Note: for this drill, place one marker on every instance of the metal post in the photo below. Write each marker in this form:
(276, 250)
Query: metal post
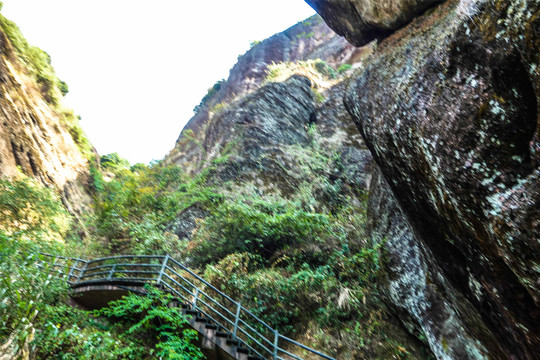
(112, 271)
(53, 266)
(163, 267)
(276, 341)
(81, 273)
(195, 299)
(71, 268)
(236, 319)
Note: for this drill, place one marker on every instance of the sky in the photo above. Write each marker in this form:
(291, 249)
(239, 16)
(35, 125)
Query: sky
(136, 69)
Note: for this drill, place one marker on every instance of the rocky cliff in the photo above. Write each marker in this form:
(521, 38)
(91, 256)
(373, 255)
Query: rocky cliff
(310, 39)
(38, 137)
(293, 142)
(448, 106)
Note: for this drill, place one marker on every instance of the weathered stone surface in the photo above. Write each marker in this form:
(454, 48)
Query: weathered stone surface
(449, 108)
(33, 138)
(262, 122)
(361, 21)
(427, 304)
(310, 39)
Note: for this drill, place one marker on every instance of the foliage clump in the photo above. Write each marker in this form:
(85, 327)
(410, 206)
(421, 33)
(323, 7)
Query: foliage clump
(151, 317)
(318, 71)
(136, 205)
(257, 226)
(37, 61)
(30, 211)
(211, 92)
(38, 64)
(35, 321)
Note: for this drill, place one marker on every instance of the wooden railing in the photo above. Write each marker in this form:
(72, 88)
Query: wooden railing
(189, 288)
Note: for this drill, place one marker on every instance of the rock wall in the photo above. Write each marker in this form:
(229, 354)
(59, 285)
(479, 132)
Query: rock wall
(310, 39)
(448, 107)
(361, 21)
(34, 138)
(253, 143)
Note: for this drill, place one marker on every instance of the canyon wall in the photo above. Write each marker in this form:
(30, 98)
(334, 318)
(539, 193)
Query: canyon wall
(448, 106)
(39, 138)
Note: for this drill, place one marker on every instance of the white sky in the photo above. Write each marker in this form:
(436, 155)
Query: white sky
(136, 69)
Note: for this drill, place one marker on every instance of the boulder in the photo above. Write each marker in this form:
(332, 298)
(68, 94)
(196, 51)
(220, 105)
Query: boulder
(448, 107)
(361, 21)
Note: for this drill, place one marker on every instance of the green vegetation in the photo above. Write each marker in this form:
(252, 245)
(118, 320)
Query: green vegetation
(318, 71)
(343, 68)
(138, 315)
(256, 226)
(28, 211)
(305, 35)
(37, 61)
(34, 318)
(38, 64)
(254, 43)
(211, 92)
(114, 161)
(135, 207)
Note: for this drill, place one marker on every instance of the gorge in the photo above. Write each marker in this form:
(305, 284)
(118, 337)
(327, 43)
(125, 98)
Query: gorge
(371, 192)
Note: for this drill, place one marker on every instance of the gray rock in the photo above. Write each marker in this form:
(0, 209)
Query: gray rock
(361, 21)
(449, 109)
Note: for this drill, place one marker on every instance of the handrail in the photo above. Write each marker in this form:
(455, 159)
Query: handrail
(193, 290)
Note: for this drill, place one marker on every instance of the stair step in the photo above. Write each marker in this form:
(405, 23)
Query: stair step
(255, 357)
(233, 342)
(212, 326)
(222, 334)
(242, 350)
(192, 312)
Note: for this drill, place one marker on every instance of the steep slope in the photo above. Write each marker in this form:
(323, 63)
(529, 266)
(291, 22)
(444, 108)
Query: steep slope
(37, 136)
(283, 158)
(448, 107)
(310, 39)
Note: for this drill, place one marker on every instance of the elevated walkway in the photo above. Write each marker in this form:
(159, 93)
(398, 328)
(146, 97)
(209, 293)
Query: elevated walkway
(226, 329)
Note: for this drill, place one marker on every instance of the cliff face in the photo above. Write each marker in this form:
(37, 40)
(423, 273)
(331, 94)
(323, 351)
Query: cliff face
(361, 21)
(310, 39)
(38, 137)
(290, 142)
(448, 107)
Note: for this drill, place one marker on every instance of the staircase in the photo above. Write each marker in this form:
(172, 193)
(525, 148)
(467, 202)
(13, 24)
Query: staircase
(227, 330)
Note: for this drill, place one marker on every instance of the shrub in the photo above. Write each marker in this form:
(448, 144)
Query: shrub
(254, 43)
(37, 61)
(318, 71)
(25, 289)
(71, 334)
(257, 226)
(151, 318)
(29, 211)
(113, 161)
(343, 68)
(211, 92)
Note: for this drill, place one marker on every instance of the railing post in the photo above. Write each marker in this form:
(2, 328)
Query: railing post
(163, 267)
(236, 319)
(71, 270)
(53, 266)
(112, 271)
(81, 273)
(196, 296)
(276, 341)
